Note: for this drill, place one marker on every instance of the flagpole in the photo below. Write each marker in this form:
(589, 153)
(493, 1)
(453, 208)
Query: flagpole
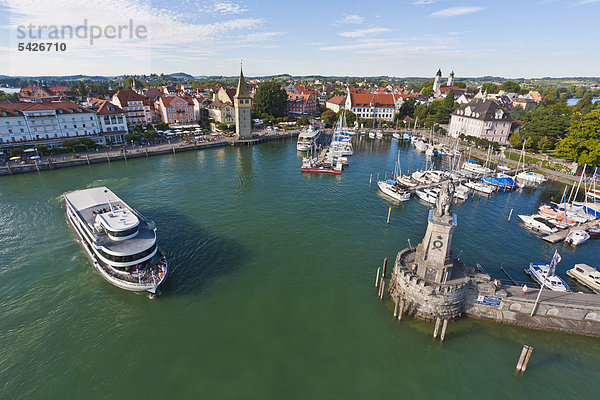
(551, 269)
(538, 296)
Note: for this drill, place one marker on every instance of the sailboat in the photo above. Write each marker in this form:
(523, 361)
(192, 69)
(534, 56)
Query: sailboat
(341, 145)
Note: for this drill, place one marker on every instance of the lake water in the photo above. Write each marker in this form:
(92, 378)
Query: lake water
(572, 101)
(271, 293)
(10, 90)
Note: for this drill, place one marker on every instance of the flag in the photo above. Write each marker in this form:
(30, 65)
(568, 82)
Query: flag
(555, 260)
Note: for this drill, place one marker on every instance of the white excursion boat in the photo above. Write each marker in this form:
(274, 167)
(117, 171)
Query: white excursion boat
(420, 145)
(392, 190)
(538, 223)
(120, 242)
(586, 275)
(577, 237)
(539, 273)
(307, 139)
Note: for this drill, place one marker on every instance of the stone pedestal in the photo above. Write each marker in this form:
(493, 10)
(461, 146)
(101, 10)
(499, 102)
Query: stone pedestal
(433, 258)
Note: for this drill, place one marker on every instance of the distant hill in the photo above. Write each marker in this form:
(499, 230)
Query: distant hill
(181, 75)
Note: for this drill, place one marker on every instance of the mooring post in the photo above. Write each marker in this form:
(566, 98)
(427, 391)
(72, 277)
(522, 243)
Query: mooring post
(437, 326)
(370, 179)
(382, 289)
(388, 218)
(396, 308)
(108, 157)
(8, 166)
(527, 357)
(125, 154)
(87, 157)
(377, 277)
(400, 310)
(510, 214)
(384, 267)
(444, 326)
(146, 151)
(37, 166)
(173, 149)
(522, 358)
(378, 177)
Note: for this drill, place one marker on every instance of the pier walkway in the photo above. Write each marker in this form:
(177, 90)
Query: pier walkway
(561, 235)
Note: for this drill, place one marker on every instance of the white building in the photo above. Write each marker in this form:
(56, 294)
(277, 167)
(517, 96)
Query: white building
(112, 120)
(46, 123)
(481, 118)
(371, 105)
(138, 110)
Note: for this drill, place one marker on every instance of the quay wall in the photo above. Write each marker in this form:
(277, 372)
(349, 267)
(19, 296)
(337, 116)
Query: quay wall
(577, 313)
(97, 158)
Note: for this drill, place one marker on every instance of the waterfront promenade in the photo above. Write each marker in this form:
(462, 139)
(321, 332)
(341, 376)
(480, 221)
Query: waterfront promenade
(107, 156)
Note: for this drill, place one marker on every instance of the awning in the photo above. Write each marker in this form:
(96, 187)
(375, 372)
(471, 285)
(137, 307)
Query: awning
(29, 150)
(15, 158)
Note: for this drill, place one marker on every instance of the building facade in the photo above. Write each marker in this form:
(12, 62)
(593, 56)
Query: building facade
(221, 113)
(176, 109)
(372, 105)
(138, 109)
(48, 124)
(112, 121)
(300, 104)
(481, 118)
(336, 103)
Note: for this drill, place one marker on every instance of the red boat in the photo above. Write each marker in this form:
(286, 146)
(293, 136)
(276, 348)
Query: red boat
(311, 165)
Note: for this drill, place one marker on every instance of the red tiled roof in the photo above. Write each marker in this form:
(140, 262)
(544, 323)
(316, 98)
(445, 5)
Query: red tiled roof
(105, 107)
(167, 100)
(337, 100)
(365, 100)
(125, 96)
(16, 109)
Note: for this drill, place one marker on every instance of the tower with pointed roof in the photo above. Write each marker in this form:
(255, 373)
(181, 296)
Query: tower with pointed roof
(243, 109)
(450, 79)
(437, 82)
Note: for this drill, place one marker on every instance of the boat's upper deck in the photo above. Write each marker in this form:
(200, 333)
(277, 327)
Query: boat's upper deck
(92, 205)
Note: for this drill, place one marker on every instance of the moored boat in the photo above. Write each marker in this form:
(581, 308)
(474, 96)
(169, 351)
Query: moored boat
(538, 223)
(577, 237)
(539, 272)
(586, 275)
(307, 139)
(121, 243)
(393, 190)
(310, 164)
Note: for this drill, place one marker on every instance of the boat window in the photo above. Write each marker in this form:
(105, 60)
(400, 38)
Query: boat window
(128, 258)
(127, 232)
(578, 269)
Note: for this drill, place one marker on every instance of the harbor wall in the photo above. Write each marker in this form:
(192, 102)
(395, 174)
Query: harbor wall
(569, 312)
(97, 158)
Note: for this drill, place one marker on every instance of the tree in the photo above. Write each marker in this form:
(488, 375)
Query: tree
(490, 87)
(460, 84)
(583, 141)
(132, 137)
(350, 117)
(82, 89)
(8, 96)
(270, 98)
(552, 121)
(329, 117)
(150, 135)
(517, 113)
(302, 121)
(161, 126)
(510, 87)
(129, 83)
(515, 140)
(408, 108)
(585, 105)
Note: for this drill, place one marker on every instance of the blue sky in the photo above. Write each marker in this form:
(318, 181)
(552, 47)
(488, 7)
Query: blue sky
(359, 38)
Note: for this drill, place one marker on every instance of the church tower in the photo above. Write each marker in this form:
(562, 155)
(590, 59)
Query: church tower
(243, 109)
(451, 79)
(437, 82)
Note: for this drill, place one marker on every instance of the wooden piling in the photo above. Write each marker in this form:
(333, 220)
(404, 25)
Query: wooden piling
(510, 214)
(382, 289)
(437, 326)
(108, 157)
(125, 154)
(173, 149)
(37, 166)
(370, 179)
(388, 218)
(444, 326)
(522, 358)
(400, 310)
(87, 157)
(8, 166)
(396, 308)
(527, 357)
(146, 151)
(377, 277)
(383, 270)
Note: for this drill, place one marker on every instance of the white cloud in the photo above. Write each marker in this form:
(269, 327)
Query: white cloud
(423, 2)
(583, 2)
(261, 36)
(352, 19)
(226, 7)
(455, 11)
(364, 32)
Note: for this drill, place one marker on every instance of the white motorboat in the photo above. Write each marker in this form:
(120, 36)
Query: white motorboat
(307, 139)
(577, 237)
(396, 136)
(461, 192)
(428, 195)
(532, 177)
(538, 223)
(379, 135)
(586, 275)
(420, 145)
(405, 181)
(372, 134)
(121, 243)
(539, 273)
(472, 167)
(392, 190)
(480, 186)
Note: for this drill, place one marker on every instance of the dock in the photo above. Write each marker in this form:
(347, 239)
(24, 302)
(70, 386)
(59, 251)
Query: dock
(561, 235)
